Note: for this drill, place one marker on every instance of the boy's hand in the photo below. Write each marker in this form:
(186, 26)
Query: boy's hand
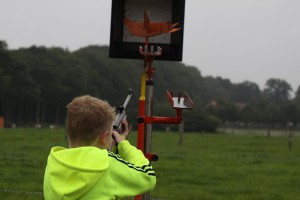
(125, 132)
(118, 138)
(125, 128)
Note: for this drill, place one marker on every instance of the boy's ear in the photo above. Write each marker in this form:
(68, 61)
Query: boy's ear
(102, 137)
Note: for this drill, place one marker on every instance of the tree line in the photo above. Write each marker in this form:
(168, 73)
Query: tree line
(36, 84)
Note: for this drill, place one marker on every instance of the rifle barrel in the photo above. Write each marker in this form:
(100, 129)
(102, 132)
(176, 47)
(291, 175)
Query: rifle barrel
(128, 98)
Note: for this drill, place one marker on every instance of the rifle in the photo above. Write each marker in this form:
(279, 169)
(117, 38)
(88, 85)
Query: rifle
(121, 115)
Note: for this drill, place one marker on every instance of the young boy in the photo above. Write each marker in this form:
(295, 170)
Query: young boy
(87, 170)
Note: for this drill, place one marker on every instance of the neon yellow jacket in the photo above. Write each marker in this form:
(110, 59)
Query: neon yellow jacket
(90, 173)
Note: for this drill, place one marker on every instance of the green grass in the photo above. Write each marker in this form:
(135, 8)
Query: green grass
(206, 166)
(23, 156)
(218, 167)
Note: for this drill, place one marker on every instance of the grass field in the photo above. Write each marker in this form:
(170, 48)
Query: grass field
(205, 167)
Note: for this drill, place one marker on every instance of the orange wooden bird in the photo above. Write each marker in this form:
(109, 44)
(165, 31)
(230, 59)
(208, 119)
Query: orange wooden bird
(149, 29)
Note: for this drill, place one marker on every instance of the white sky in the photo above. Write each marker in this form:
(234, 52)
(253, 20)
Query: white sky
(237, 39)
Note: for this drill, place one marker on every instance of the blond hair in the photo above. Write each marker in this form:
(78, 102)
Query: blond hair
(87, 117)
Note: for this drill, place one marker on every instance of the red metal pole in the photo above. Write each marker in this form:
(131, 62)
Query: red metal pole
(141, 127)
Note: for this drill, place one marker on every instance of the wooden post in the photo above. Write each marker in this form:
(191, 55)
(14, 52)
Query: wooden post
(290, 135)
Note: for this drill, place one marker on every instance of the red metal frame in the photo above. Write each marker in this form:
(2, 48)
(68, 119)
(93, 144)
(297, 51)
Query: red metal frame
(147, 29)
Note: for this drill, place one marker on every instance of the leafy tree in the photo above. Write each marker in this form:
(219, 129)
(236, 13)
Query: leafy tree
(291, 112)
(4, 66)
(217, 89)
(277, 95)
(297, 96)
(4, 77)
(36, 83)
(294, 108)
(277, 90)
(226, 111)
(3, 46)
(250, 113)
(246, 92)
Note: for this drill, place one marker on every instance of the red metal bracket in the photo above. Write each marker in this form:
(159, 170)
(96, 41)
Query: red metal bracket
(178, 103)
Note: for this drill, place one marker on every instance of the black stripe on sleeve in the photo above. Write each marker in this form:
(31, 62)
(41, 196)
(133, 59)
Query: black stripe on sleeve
(147, 169)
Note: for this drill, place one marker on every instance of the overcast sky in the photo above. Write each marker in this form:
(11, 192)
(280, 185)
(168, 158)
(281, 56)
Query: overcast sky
(237, 39)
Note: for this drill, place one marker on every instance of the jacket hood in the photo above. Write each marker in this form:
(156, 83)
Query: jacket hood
(73, 172)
